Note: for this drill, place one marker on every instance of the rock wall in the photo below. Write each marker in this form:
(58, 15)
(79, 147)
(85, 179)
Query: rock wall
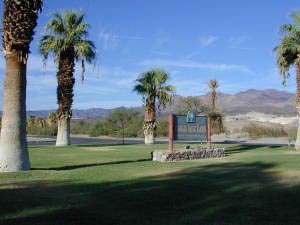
(163, 156)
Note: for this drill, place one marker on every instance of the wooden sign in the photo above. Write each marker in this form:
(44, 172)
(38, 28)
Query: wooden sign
(189, 128)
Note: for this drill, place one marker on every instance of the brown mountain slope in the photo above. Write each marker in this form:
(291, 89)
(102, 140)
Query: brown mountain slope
(269, 101)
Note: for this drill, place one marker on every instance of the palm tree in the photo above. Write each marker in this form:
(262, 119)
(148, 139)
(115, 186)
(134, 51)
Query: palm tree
(213, 85)
(152, 86)
(288, 55)
(66, 41)
(19, 20)
(40, 122)
(51, 120)
(31, 121)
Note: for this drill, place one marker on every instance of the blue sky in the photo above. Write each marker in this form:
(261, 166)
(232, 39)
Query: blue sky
(194, 40)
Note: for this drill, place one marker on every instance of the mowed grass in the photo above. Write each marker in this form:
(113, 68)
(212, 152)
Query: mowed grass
(120, 185)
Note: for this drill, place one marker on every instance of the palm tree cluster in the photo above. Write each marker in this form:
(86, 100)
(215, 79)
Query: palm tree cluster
(66, 41)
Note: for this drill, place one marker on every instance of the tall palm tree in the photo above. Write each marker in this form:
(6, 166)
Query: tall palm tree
(66, 41)
(152, 86)
(288, 55)
(213, 85)
(19, 20)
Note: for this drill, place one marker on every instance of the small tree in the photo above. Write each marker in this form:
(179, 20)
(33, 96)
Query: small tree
(190, 103)
(119, 118)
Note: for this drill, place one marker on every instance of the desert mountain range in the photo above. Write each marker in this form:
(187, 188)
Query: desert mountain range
(269, 101)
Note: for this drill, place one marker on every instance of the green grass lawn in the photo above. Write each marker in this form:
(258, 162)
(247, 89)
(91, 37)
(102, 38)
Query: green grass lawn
(120, 185)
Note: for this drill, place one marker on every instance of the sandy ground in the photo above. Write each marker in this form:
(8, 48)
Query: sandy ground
(236, 122)
(263, 118)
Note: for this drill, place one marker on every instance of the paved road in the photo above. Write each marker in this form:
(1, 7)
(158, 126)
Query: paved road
(34, 140)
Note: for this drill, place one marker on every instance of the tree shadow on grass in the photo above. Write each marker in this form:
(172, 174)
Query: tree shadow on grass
(73, 167)
(229, 193)
(241, 148)
(104, 145)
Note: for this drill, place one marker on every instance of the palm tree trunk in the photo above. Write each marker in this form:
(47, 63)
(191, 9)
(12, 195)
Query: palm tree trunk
(297, 143)
(213, 100)
(63, 132)
(149, 124)
(66, 81)
(13, 149)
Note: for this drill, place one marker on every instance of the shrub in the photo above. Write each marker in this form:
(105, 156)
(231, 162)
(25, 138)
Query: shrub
(162, 129)
(129, 120)
(80, 127)
(46, 130)
(98, 129)
(217, 126)
(255, 131)
(292, 133)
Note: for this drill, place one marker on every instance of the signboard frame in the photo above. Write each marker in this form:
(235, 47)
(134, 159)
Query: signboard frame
(193, 125)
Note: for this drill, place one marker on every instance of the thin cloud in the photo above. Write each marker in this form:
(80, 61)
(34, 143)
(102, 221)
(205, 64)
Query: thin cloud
(195, 65)
(107, 104)
(111, 40)
(239, 42)
(207, 40)
(190, 87)
(108, 40)
(161, 53)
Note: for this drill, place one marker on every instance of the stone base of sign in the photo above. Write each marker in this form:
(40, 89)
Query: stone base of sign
(163, 156)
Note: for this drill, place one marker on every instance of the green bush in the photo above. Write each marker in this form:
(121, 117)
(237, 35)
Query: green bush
(292, 133)
(46, 130)
(98, 128)
(134, 128)
(129, 120)
(80, 127)
(162, 129)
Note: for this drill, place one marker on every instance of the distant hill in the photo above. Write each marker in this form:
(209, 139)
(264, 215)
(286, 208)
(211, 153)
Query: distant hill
(269, 101)
(77, 113)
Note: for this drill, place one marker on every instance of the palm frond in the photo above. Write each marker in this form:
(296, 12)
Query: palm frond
(288, 51)
(56, 25)
(151, 86)
(213, 84)
(65, 31)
